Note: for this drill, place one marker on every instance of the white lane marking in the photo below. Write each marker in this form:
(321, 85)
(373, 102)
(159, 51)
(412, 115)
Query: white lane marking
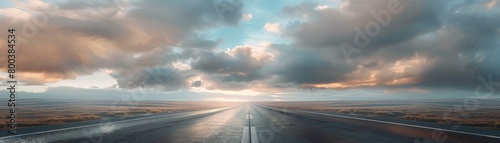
(249, 116)
(401, 124)
(246, 137)
(253, 133)
(48, 131)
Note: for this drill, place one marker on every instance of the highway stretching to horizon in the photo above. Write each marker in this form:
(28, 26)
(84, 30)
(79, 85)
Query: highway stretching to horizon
(245, 123)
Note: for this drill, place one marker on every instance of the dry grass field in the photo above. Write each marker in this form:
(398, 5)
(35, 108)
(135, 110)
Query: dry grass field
(38, 112)
(486, 115)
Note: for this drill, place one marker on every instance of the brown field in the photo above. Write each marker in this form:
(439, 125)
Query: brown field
(38, 112)
(486, 115)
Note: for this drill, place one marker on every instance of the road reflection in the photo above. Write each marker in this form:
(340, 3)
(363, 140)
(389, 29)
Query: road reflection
(226, 126)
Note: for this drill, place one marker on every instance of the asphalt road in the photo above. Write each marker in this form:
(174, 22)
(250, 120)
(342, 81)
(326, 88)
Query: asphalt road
(247, 123)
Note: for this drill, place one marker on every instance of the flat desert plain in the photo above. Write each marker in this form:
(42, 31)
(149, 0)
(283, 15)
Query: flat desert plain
(38, 112)
(482, 114)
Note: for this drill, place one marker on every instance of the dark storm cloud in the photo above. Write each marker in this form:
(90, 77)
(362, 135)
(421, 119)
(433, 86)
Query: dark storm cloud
(477, 37)
(197, 83)
(237, 65)
(330, 27)
(162, 78)
(429, 43)
(200, 42)
(303, 66)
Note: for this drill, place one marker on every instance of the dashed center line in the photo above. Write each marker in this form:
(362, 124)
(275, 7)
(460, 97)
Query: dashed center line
(253, 133)
(246, 136)
(249, 132)
(249, 116)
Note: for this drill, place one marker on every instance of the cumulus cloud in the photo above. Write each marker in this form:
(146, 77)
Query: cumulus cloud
(75, 38)
(247, 16)
(162, 78)
(428, 43)
(322, 7)
(390, 44)
(272, 27)
(241, 64)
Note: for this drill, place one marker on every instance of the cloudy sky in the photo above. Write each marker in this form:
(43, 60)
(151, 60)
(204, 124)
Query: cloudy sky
(248, 50)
